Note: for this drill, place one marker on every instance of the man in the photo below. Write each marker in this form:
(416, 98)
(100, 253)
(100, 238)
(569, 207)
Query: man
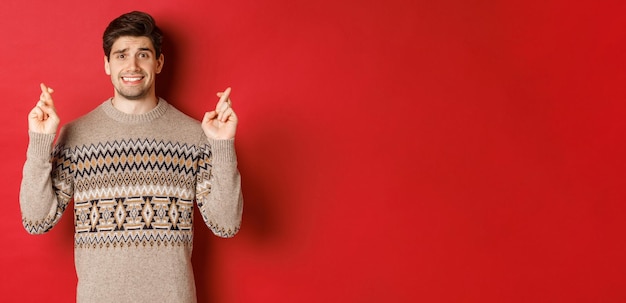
(133, 166)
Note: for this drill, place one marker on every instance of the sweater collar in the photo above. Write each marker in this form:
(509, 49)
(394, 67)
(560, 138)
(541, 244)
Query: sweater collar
(122, 117)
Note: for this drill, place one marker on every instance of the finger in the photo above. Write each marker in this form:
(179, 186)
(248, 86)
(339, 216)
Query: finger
(223, 96)
(223, 104)
(228, 114)
(209, 116)
(221, 107)
(228, 101)
(46, 96)
(221, 111)
(44, 90)
(47, 111)
(46, 107)
(37, 113)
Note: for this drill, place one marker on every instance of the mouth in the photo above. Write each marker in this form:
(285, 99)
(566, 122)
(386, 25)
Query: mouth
(132, 79)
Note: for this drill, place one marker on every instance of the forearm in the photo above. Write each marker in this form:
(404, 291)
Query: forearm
(39, 204)
(219, 197)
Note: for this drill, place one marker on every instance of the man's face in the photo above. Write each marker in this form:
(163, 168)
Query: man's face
(133, 67)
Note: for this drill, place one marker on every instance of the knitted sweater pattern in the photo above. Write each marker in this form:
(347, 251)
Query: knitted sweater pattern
(133, 180)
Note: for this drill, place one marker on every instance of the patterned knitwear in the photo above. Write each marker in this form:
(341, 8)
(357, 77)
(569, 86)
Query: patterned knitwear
(133, 180)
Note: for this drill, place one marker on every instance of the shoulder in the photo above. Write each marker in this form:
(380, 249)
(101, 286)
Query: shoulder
(183, 123)
(83, 124)
(184, 126)
(94, 115)
(175, 113)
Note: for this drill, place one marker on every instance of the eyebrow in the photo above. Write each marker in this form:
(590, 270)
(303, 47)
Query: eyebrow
(146, 49)
(121, 51)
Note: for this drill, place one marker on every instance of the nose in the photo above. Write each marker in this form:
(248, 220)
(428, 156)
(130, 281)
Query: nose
(132, 64)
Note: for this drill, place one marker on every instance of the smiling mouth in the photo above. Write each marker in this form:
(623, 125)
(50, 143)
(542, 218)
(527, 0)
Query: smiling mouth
(132, 79)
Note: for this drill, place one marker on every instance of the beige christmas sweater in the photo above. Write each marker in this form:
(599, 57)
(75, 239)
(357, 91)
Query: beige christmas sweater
(134, 180)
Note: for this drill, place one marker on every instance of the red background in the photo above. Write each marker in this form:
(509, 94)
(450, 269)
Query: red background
(407, 151)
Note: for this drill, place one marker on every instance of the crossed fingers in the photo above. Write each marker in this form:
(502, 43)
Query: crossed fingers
(223, 107)
(45, 99)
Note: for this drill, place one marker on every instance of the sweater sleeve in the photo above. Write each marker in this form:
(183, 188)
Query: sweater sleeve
(218, 191)
(46, 187)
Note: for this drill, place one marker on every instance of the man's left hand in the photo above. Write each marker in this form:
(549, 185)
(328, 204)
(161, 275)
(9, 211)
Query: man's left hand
(221, 123)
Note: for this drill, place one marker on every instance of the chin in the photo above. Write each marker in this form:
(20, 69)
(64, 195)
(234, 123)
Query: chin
(132, 96)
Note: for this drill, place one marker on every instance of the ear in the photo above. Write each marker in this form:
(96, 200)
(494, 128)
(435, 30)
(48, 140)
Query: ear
(107, 67)
(160, 63)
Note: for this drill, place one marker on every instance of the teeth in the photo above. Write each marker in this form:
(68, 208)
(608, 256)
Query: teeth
(131, 79)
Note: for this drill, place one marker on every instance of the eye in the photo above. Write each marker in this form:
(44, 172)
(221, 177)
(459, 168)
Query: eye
(143, 55)
(121, 56)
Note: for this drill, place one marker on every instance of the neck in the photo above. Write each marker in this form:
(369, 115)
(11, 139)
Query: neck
(134, 107)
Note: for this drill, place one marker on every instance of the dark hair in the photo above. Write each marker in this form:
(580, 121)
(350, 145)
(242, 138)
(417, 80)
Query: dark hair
(135, 24)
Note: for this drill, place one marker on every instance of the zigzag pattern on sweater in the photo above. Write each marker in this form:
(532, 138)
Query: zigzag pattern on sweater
(134, 155)
(132, 192)
(133, 238)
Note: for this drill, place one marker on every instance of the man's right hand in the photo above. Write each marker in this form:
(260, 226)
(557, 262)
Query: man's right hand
(43, 117)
